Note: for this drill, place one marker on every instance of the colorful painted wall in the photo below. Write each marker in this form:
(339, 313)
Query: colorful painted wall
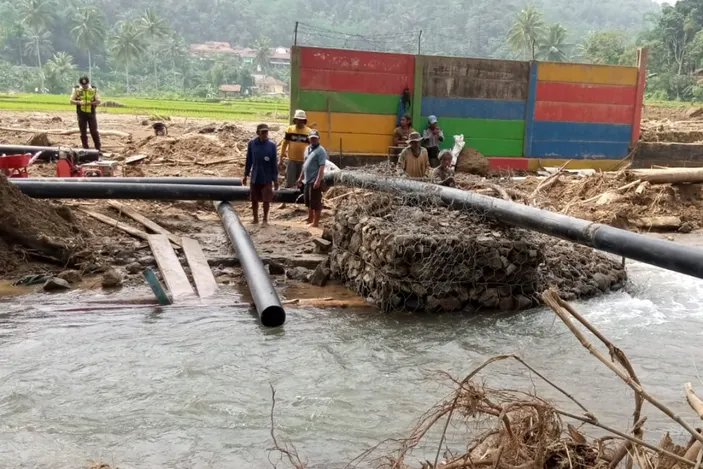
(580, 112)
(484, 100)
(520, 115)
(351, 96)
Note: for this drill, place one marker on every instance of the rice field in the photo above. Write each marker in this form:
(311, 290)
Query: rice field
(237, 109)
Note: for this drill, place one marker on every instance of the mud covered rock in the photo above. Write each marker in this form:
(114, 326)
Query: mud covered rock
(71, 276)
(133, 268)
(56, 284)
(113, 278)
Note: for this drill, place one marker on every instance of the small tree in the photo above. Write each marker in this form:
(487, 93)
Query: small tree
(60, 72)
(553, 47)
(89, 32)
(527, 32)
(262, 46)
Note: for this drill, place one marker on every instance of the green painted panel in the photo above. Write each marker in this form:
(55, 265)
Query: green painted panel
(364, 103)
(493, 147)
(481, 128)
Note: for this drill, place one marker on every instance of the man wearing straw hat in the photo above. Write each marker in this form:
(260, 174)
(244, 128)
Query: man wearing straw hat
(413, 160)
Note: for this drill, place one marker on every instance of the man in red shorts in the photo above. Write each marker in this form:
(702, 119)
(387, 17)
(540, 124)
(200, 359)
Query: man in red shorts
(262, 165)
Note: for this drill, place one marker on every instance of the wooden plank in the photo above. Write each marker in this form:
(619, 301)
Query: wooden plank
(587, 73)
(642, 54)
(171, 269)
(585, 93)
(200, 270)
(379, 124)
(360, 82)
(138, 217)
(116, 224)
(582, 112)
(318, 58)
(366, 103)
(473, 108)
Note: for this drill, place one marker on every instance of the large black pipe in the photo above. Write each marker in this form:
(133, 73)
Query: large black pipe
(146, 180)
(50, 153)
(260, 286)
(98, 190)
(665, 254)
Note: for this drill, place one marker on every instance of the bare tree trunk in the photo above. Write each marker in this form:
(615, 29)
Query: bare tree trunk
(41, 72)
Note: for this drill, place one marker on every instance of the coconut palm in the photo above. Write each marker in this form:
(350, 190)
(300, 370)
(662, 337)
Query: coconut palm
(38, 15)
(154, 28)
(89, 32)
(128, 46)
(527, 32)
(553, 47)
(262, 46)
(60, 71)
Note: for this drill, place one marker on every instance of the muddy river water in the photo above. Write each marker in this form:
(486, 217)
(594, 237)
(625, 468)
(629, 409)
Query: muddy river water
(188, 387)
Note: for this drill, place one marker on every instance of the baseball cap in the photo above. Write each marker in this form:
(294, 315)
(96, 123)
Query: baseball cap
(432, 119)
(314, 134)
(262, 127)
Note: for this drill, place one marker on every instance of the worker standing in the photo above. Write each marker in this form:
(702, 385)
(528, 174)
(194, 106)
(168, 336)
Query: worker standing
(312, 178)
(262, 165)
(85, 96)
(294, 144)
(431, 138)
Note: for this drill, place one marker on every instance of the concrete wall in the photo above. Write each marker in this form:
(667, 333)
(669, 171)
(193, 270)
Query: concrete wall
(520, 115)
(351, 96)
(482, 99)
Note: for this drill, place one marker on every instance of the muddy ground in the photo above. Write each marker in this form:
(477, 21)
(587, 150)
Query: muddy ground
(202, 147)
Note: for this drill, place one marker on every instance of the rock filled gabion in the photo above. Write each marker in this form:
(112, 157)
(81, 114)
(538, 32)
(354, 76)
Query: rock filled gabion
(426, 258)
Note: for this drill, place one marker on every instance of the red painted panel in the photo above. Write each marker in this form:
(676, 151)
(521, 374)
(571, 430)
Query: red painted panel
(316, 58)
(585, 93)
(581, 112)
(361, 82)
(496, 163)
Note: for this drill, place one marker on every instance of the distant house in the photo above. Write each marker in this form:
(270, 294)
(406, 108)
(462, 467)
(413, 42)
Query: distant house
(278, 56)
(226, 90)
(268, 84)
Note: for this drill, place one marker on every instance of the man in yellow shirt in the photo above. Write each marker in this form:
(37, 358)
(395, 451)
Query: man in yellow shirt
(85, 97)
(293, 148)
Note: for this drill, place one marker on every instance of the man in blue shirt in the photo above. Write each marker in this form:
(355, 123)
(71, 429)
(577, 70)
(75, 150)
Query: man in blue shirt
(262, 165)
(311, 176)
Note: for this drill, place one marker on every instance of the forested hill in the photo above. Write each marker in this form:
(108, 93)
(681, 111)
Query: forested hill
(462, 26)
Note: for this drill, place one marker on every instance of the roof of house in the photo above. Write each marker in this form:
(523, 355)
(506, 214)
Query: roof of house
(230, 88)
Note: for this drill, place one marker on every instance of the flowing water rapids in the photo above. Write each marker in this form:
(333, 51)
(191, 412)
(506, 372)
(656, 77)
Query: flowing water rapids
(189, 387)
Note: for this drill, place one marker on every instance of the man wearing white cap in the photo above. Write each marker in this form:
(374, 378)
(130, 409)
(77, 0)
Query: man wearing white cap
(293, 148)
(431, 138)
(311, 177)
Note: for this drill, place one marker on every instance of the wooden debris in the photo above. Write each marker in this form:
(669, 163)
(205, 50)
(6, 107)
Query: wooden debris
(220, 161)
(200, 270)
(668, 176)
(136, 216)
(134, 159)
(116, 224)
(694, 401)
(170, 267)
(657, 223)
(112, 133)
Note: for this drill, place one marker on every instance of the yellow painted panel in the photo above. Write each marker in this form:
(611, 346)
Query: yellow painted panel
(534, 164)
(356, 143)
(587, 73)
(350, 123)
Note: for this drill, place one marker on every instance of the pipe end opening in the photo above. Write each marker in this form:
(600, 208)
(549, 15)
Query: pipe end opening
(273, 316)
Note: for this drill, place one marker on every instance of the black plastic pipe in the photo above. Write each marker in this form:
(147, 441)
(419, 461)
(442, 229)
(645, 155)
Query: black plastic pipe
(146, 180)
(49, 153)
(98, 190)
(260, 286)
(665, 254)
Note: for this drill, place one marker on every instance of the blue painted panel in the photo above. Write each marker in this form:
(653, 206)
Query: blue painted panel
(581, 131)
(474, 108)
(580, 150)
(530, 109)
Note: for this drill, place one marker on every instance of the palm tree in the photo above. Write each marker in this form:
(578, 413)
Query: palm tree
(89, 32)
(154, 28)
(60, 70)
(39, 44)
(263, 53)
(174, 49)
(527, 31)
(553, 47)
(128, 46)
(38, 16)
